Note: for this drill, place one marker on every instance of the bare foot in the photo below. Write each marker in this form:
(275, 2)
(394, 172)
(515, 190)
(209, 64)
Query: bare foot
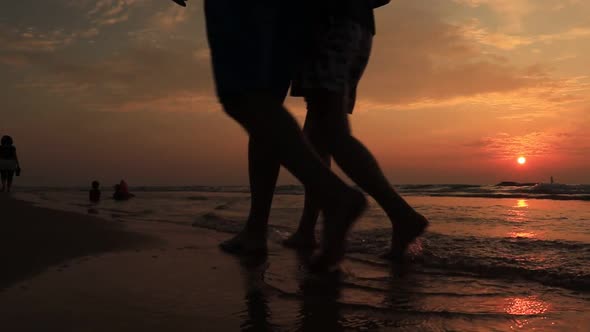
(404, 234)
(245, 243)
(338, 220)
(299, 240)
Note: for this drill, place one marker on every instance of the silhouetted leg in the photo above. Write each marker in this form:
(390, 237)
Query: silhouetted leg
(263, 169)
(9, 180)
(360, 165)
(304, 237)
(266, 120)
(4, 178)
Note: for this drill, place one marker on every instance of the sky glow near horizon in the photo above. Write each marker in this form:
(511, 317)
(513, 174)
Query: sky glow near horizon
(455, 92)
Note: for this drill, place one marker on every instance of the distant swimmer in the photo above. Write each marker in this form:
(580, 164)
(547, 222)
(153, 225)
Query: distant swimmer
(122, 192)
(94, 193)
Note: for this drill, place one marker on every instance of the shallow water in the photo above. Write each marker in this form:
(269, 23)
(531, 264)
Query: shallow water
(485, 263)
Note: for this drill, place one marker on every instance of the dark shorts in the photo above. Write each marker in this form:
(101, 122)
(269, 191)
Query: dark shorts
(335, 61)
(249, 43)
(6, 174)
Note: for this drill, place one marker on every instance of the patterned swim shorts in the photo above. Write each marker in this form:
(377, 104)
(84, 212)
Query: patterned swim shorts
(335, 60)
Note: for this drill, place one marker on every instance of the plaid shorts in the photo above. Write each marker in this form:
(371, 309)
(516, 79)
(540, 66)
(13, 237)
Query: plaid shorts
(335, 61)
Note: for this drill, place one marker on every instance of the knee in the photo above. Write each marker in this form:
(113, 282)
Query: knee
(252, 109)
(235, 108)
(341, 143)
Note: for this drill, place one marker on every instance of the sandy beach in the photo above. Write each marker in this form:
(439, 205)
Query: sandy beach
(71, 272)
(33, 238)
(136, 268)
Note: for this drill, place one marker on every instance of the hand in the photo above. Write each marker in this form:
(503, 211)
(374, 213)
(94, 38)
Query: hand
(180, 2)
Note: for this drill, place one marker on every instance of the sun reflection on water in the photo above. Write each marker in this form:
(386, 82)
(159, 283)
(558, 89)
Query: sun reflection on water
(518, 212)
(523, 307)
(523, 235)
(517, 215)
(520, 306)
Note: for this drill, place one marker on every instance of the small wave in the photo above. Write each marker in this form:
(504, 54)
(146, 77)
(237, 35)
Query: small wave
(506, 258)
(219, 223)
(377, 289)
(553, 277)
(515, 195)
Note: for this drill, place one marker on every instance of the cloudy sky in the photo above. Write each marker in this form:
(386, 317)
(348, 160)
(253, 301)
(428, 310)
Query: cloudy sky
(455, 92)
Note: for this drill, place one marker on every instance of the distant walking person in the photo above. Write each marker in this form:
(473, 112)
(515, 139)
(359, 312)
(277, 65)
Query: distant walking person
(9, 164)
(251, 49)
(328, 77)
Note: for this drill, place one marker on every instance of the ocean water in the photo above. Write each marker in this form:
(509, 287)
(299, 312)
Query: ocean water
(494, 258)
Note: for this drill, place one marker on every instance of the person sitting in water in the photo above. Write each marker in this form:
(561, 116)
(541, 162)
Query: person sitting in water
(122, 192)
(94, 193)
(9, 164)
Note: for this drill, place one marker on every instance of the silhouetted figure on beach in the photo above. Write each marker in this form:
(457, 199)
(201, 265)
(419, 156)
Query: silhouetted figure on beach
(122, 192)
(9, 164)
(251, 46)
(94, 193)
(335, 55)
(328, 77)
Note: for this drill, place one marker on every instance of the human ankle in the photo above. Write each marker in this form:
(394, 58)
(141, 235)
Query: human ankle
(255, 231)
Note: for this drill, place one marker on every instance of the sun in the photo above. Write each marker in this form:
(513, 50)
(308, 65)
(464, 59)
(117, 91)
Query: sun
(521, 160)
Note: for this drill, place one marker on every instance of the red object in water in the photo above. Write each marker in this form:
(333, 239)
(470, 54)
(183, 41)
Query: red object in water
(124, 189)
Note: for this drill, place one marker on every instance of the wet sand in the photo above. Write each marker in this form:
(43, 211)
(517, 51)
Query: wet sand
(34, 238)
(71, 272)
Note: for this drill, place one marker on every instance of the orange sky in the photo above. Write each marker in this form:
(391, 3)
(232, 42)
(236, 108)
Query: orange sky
(456, 90)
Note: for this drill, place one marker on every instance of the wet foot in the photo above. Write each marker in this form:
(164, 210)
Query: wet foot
(300, 241)
(245, 243)
(338, 220)
(404, 234)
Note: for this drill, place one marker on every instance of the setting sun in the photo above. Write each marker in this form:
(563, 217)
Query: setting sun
(521, 160)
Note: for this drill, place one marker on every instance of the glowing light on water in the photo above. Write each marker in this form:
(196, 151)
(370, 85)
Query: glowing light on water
(519, 306)
(523, 235)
